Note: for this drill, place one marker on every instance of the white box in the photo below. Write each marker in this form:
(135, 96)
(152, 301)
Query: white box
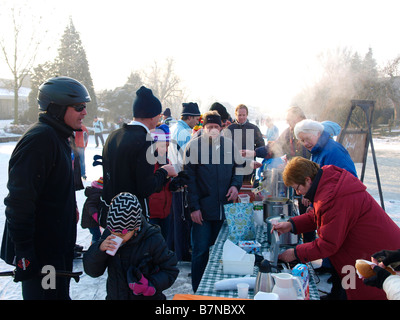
(239, 267)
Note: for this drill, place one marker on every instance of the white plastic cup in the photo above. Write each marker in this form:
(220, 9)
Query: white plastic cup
(243, 290)
(118, 240)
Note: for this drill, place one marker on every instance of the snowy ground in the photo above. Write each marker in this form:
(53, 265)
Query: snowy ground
(388, 157)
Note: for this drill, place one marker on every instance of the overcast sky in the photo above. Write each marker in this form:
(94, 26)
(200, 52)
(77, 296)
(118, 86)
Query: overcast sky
(256, 52)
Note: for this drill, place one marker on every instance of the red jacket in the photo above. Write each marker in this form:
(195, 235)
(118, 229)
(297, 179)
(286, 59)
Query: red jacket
(160, 202)
(82, 137)
(350, 224)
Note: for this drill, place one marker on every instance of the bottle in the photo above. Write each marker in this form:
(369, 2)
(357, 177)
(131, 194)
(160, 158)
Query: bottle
(264, 280)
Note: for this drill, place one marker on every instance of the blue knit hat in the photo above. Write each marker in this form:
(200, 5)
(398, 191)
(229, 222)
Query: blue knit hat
(146, 105)
(161, 133)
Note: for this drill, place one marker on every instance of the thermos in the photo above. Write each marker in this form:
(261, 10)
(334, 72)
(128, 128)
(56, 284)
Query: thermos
(264, 281)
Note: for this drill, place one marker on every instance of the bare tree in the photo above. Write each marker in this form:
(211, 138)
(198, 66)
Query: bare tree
(21, 50)
(391, 85)
(166, 85)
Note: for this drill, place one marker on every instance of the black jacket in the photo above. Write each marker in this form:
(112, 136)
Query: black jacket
(90, 207)
(147, 251)
(126, 167)
(247, 128)
(41, 205)
(211, 175)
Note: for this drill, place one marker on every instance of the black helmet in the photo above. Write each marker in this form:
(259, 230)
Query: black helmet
(61, 91)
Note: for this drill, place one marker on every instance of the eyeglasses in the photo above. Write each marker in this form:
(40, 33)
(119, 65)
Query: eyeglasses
(297, 188)
(79, 107)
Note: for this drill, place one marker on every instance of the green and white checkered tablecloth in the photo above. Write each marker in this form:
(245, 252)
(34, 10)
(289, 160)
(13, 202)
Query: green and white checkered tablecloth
(214, 270)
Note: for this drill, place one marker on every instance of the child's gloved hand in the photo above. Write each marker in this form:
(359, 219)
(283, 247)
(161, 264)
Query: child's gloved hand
(139, 284)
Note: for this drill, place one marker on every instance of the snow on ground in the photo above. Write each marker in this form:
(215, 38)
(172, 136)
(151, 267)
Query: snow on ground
(388, 157)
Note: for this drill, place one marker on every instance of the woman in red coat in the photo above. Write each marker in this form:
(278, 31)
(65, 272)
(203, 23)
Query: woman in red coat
(350, 223)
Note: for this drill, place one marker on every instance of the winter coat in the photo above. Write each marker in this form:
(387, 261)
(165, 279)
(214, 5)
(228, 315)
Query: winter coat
(160, 202)
(98, 126)
(211, 175)
(82, 137)
(350, 224)
(181, 134)
(91, 207)
(41, 206)
(392, 287)
(126, 167)
(247, 128)
(328, 151)
(147, 251)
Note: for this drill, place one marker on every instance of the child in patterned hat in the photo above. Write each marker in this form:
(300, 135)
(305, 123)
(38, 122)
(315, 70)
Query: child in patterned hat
(143, 266)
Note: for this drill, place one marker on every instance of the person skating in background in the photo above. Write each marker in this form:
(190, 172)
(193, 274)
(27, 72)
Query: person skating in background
(81, 142)
(98, 131)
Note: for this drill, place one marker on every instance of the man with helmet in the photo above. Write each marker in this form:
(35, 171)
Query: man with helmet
(40, 228)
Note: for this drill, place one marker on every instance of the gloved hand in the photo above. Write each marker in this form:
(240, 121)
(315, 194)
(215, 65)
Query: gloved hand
(378, 279)
(139, 284)
(26, 265)
(178, 182)
(95, 216)
(387, 256)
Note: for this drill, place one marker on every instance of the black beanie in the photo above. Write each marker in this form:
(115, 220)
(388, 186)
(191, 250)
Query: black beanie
(212, 118)
(190, 109)
(221, 110)
(167, 112)
(146, 105)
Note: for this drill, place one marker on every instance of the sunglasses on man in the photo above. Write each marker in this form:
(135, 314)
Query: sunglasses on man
(79, 107)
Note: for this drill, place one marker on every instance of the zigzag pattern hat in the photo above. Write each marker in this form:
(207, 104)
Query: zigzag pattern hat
(124, 214)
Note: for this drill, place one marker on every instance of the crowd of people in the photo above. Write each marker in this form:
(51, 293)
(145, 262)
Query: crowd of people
(160, 199)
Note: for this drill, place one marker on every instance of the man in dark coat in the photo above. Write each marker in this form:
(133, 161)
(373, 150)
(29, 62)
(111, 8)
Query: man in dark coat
(41, 211)
(128, 161)
(211, 161)
(243, 132)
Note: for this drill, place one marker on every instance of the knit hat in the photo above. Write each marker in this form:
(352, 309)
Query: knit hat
(161, 133)
(212, 118)
(146, 105)
(221, 110)
(167, 112)
(190, 109)
(124, 214)
(332, 128)
(98, 183)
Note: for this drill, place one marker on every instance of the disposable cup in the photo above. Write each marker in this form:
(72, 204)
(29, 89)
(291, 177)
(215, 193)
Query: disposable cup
(243, 290)
(118, 240)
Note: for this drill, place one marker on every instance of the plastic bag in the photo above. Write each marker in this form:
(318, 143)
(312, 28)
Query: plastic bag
(240, 221)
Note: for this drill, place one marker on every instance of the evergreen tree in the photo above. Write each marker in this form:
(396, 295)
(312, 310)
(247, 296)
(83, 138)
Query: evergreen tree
(72, 62)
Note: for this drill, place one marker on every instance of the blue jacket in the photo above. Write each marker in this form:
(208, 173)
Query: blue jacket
(327, 151)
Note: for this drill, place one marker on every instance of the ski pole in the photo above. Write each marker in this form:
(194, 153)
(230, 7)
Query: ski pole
(74, 275)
